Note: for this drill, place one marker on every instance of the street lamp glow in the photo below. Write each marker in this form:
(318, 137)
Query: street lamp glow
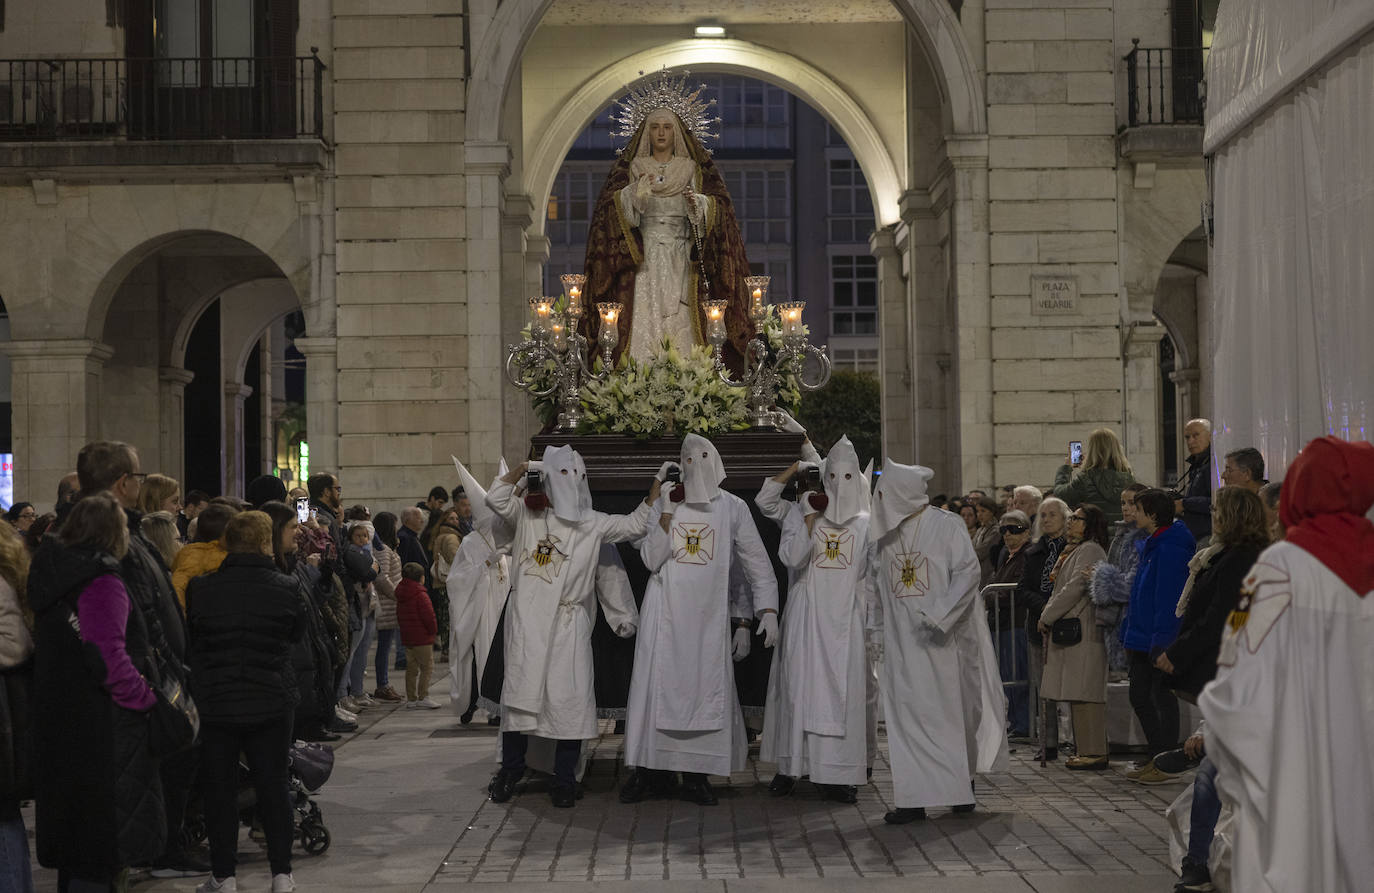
(709, 31)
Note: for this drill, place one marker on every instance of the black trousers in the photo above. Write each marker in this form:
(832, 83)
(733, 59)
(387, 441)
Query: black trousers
(178, 776)
(1154, 705)
(265, 747)
(565, 754)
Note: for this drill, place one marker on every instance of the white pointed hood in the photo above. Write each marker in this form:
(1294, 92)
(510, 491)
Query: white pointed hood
(846, 488)
(483, 518)
(868, 486)
(901, 491)
(565, 481)
(702, 470)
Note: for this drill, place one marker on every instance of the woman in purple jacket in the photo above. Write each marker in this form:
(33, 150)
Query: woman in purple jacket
(1151, 625)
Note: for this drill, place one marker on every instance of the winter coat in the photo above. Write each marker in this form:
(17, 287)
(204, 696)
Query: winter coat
(1216, 590)
(1111, 590)
(1075, 672)
(411, 550)
(1012, 570)
(1150, 624)
(1033, 592)
(244, 619)
(358, 585)
(986, 540)
(1096, 486)
(149, 584)
(1197, 497)
(311, 657)
(388, 577)
(415, 615)
(98, 789)
(195, 560)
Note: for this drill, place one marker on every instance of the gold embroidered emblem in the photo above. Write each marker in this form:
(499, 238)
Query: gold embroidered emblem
(910, 575)
(693, 543)
(835, 548)
(544, 561)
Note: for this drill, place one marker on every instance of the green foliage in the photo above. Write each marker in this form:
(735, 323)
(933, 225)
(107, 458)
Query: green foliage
(849, 404)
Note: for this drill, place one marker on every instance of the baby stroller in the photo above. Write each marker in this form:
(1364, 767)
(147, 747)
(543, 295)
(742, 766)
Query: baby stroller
(308, 767)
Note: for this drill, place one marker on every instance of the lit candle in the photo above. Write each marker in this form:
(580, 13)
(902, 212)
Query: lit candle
(791, 316)
(610, 312)
(715, 322)
(758, 295)
(559, 332)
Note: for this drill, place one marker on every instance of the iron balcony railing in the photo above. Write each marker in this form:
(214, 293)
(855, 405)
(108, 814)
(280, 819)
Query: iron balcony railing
(162, 99)
(1165, 85)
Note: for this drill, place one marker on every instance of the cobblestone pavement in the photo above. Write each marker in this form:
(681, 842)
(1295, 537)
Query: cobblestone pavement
(1028, 820)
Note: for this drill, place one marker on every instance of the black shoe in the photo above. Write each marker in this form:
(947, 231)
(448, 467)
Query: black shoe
(619, 727)
(341, 726)
(493, 720)
(963, 807)
(321, 734)
(1194, 878)
(1048, 756)
(181, 863)
(563, 796)
(905, 815)
(842, 793)
(870, 773)
(1176, 762)
(502, 786)
(466, 717)
(781, 785)
(637, 787)
(696, 789)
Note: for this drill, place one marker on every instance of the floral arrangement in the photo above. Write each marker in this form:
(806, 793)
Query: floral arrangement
(675, 393)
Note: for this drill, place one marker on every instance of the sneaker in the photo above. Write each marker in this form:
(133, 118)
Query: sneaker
(1090, 764)
(387, 693)
(427, 704)
(215, 885)
(180, 864)
(1155, 775)
(352, 704)
(365, 700)
(1136, 769)
(344, 714)
(1194, 878)
(411, 705)
(283, 883)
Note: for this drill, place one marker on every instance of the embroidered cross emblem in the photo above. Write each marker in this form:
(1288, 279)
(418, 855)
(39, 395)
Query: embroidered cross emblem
(910, 575)
(693, 543)
(835, 548)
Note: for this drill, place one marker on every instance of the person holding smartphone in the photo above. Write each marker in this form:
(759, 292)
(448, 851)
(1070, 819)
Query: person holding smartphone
(1095, 475)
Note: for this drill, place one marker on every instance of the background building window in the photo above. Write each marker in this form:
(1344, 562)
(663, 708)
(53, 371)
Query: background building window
(855, 359)
(763, 202)
(851, 207)
(853, 294)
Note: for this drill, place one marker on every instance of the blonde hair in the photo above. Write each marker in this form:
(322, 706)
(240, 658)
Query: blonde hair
(161, 530)
(249, 533)
(1104, 450)
(1239, 519)
(156, 489)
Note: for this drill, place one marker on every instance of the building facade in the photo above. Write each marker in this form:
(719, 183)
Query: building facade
(384, 169)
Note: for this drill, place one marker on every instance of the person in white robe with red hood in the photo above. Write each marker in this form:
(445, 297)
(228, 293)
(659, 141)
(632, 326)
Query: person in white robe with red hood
(815, 723)
(1290, 714)
(683, 713)
(941, 694)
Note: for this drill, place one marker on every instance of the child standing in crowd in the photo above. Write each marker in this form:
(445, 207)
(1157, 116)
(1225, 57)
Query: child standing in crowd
(415, 616)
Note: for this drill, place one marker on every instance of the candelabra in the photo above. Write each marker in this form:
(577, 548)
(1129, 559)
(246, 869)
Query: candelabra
(555, 356)
(763, 373)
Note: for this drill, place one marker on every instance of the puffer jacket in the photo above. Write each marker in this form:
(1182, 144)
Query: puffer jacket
(99, 793)
(312, 657)
(195, 560)
(149, 584)
(1151, 624)
(415, 614)
(390, 574)
(244, 619)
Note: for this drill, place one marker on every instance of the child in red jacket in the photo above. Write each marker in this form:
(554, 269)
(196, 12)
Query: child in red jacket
(415, 616)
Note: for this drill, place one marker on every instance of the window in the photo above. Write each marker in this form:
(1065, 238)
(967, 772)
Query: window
(850, 205)
(855, 359)
(571, 204)
(597, 136)
(853, 295)
(763, 202)
(754, 115)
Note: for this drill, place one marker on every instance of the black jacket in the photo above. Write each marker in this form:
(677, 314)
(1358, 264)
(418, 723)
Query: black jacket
(149, 583)
(1215, 593)
(1039, 553)
(410, 549)
(1010, 570)
(1197, 496)
(244, 619)
(98, 790)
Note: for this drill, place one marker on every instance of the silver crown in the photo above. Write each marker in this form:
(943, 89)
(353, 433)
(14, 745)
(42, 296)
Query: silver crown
(664, 91)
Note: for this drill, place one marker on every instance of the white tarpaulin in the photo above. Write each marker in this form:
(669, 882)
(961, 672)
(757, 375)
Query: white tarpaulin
(1290, 126)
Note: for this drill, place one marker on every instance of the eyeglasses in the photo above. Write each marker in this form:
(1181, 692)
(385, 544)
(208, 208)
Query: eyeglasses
(1012, 528)
(1077, 518)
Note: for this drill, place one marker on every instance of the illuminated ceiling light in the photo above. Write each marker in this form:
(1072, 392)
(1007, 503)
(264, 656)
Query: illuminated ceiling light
(709, 31)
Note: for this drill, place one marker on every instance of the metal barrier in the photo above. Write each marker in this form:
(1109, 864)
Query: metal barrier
(1012, 680)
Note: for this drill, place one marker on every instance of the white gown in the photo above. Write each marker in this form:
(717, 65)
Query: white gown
(935, 678)
(662, 305)
(478, 584)
(1290, 726)
(815, 720)
(683, 714)
(548, 689)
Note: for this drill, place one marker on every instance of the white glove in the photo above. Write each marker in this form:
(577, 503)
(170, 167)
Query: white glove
(789, 424)
(626, 630)
(768, 625)
(668, 506)
(535, 465)
(663, 471)
(740, 649)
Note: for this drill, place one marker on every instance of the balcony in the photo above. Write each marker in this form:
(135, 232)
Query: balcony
(83, 112)
(1165, 99)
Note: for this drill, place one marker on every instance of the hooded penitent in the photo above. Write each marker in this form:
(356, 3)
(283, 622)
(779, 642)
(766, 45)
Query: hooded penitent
(1326, 495)
(901, 491)
(846, 486)
(483, 518)
(565, 480)
(702, 470)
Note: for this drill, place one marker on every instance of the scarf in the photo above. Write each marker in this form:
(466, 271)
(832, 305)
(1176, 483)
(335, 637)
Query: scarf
(1328, 490)
(1196, 564)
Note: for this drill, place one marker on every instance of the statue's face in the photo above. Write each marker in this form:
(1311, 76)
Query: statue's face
(660, 126)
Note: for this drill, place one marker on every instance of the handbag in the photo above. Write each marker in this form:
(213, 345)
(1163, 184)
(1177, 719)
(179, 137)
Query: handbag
(174, 721)
(16, 732)
(1067, 630)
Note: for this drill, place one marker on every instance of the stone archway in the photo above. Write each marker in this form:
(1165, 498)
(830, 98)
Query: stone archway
(729, 56)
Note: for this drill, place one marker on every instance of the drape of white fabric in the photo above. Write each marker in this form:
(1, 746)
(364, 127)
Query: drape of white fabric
(1294, 202)
(662, 303)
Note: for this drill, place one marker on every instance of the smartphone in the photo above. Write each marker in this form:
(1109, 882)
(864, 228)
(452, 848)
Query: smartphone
(1075, 452)
(303, 509)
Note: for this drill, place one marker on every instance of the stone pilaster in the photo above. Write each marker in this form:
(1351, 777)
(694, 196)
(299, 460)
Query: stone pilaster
(894, 349)
(171, 394)
(488, 165)
(232, 477)
(55, 394)
(321, 401)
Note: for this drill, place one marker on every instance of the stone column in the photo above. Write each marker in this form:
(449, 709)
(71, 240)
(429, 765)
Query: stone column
(971, 275)
(1141, 410)
(321, 401)
(268, 406)
(1187, 400)
(487, 166)
(894, 349)
(232, 479)
(55, 399)
(171, 393)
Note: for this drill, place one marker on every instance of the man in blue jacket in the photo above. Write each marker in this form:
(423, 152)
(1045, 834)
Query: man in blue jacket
(1151, 624)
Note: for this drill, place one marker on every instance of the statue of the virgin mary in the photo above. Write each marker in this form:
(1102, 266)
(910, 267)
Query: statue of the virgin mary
(663, 235)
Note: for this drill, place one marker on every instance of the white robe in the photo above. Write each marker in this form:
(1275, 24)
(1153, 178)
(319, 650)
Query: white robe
(478, 584)
(935, 675)
(548, 689)
(1290, 726)
(663, 304)
(815, 720)
(683, 714)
